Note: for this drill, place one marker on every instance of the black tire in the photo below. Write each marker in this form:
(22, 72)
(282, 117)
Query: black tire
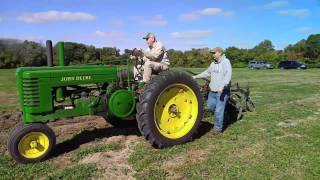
(119, 122)
(146, 116)
(19, 132)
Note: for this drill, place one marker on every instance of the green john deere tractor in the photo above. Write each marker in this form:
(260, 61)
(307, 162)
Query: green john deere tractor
(167, 113)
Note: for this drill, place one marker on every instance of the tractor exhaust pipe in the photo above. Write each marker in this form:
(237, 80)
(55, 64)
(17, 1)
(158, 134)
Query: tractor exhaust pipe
(60, 90)
(49, 53)
(61, 53)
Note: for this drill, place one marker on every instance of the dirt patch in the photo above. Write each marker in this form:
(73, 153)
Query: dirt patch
(192, 157)
(290, 123)
(115, 163)
(250, 151)
(66, 127)
(83, 132)
(62, 128)
(295, 122)
(300, 102)
(9, 119)
(289, 136)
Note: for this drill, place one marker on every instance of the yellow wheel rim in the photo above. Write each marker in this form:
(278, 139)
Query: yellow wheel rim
(176, 111)
(33, 145)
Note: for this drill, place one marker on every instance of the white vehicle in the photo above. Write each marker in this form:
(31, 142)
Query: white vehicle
(259, 65)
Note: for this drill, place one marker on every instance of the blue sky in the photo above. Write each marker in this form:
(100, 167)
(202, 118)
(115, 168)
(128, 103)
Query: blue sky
(178, 24)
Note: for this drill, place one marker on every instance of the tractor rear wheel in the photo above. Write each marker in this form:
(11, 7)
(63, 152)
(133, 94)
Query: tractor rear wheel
(170, 109)
(30, 143)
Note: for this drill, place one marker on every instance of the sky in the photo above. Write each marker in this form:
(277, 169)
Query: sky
(179, 24)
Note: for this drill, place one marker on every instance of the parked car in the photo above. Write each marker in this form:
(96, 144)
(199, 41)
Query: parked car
(259, 65)
(292, 65)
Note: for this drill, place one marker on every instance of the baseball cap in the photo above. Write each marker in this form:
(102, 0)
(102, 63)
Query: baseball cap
(216, 49)
(149, 35)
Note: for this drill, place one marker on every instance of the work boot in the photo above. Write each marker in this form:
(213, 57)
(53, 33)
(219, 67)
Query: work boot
(216, 131)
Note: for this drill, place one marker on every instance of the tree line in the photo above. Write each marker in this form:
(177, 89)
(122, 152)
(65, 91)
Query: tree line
(15, 53)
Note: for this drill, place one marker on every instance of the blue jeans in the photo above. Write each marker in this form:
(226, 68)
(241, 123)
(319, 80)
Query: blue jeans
(216, 106)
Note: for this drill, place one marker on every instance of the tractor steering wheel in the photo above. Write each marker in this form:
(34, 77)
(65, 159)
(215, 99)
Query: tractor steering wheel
(138, 64)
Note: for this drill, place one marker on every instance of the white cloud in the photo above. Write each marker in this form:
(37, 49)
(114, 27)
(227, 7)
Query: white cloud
(157, 20)
(204, 12)
(306, 30)
(210, 11)
(136, 18)
(184, 45)
(276, 4)
(189, 17)
(117, 23)
(196, 34)
(294, 12)
(109, 34)
(51, 16)
(39, 39)
(303, 29)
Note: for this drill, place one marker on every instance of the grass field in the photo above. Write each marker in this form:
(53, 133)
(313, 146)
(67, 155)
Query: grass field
(280, 140)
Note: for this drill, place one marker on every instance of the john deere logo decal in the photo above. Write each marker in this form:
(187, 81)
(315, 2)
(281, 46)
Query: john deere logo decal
(75, 78)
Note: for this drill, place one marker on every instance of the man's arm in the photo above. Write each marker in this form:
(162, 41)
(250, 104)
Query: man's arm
(156, 53)
(227, 73)
(204, 74)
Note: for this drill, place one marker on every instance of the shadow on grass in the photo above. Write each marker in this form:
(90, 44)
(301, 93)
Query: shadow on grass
(92, 135)
(230, 116)
(204, 127)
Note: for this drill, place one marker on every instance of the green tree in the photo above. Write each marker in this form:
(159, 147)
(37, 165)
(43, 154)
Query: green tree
(312, 52)
(263, 47)
(296, 51)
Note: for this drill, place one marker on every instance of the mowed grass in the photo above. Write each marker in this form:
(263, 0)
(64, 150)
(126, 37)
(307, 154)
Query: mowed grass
(280, 140)
(8, 90)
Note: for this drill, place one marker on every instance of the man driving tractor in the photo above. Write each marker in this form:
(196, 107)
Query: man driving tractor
(154, 60)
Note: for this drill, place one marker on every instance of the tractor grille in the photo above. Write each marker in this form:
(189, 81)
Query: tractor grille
(31, 93)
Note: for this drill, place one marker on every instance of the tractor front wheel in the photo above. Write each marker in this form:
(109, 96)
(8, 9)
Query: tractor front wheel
(30, 143)
(170, 109)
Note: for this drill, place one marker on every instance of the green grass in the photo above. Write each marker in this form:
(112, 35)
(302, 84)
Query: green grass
(280, 140)
(12, 170)
(8, 90)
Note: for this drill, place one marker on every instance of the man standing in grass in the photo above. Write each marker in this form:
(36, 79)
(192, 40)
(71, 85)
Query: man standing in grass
(220, 72)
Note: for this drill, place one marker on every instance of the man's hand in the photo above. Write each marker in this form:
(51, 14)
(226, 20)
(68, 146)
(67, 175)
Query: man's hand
(220, 90)
(137, 53)
(133, 57)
